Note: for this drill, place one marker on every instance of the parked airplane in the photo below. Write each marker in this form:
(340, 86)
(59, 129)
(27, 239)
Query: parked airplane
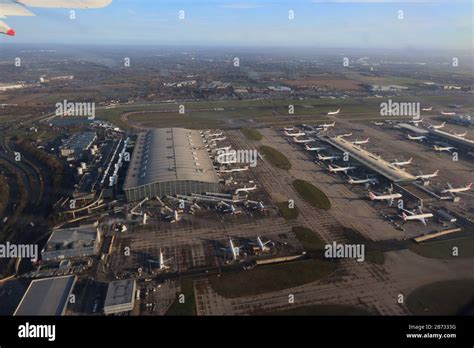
(419, 137)
(310, 148)
(448, 113)
(385, 197)
(337, 169)
(360, 142)
(230, 209)
(297, 134)
(427, 176)
(416, 121)
(289, 129)
(302, 141)
(233, 250)
(461, 135)
(162, 263)
(345, 135)
(443, 148)
(355, 181)
(19, 8)
(246, 189)
(328, 158)
(402, 163)
(325, 126)
(452, 190)
(427, 109)
(334, 112)
(439, 126)
(413, 216)
(172, 218)
(262, 245)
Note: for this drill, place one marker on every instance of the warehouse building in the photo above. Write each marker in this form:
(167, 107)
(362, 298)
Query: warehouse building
(77, 144)
(169, 161)
(120, 296)
(69, 243)
(48, 296)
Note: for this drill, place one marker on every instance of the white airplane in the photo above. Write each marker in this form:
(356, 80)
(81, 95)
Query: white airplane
(302, 141)
(297, 134)
(360, 142)
(246, 189)
(416, 121)
(427, 109)
(419, 137)
(230, 209)
(439, 126)
(448, 113)
(20, 8)
(337, 169)
(310, 148)
(413, 216)
(461, 135)
(385, 197)
(443, 148)
(344, 135)
(327, 158)
(289, 129)
(172, 218)
(262, 246)
(379, 123)
(162, 263)
(402, 163)
(452, 190)
(334, 112)
(325, 126)
(356, 181)
(233, 250)
(427, 176)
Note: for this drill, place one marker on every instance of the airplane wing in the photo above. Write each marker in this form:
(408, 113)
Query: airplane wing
(423, 221)
(19, 8)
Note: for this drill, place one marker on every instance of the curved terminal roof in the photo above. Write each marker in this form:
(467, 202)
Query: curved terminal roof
(169, 154)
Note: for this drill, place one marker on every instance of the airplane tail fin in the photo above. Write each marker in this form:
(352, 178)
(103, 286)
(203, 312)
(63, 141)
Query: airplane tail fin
(371, 196)
(436, 172)
(469, 186)
(404, 216)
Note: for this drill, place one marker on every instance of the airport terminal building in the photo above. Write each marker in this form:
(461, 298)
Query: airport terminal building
(169, 161)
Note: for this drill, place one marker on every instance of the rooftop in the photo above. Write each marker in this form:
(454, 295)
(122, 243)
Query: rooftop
(169, 154)
(72, 238)
(120, 292)
(370, 160)
(46, 296)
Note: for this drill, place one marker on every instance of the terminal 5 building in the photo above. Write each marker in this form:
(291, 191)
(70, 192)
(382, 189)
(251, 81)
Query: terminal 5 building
(169, 161)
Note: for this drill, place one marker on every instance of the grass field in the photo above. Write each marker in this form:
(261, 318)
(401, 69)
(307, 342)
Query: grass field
(287, 212)
(309, 240)
(444, 249)
(189, 305)
(264, 279)
(251, 134)
(312, 194)
(324, 310)
(275, 157)
(441, 298)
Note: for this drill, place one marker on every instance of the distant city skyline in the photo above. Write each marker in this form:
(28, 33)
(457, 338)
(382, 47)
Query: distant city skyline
(442, 24)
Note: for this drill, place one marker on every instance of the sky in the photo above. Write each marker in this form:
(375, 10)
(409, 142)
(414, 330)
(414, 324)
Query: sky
(441, 24)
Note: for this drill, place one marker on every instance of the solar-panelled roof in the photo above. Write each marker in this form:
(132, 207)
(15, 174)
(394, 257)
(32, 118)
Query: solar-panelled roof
(169, 154)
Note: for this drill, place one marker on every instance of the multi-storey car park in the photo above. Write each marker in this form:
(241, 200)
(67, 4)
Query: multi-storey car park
(169, 161)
